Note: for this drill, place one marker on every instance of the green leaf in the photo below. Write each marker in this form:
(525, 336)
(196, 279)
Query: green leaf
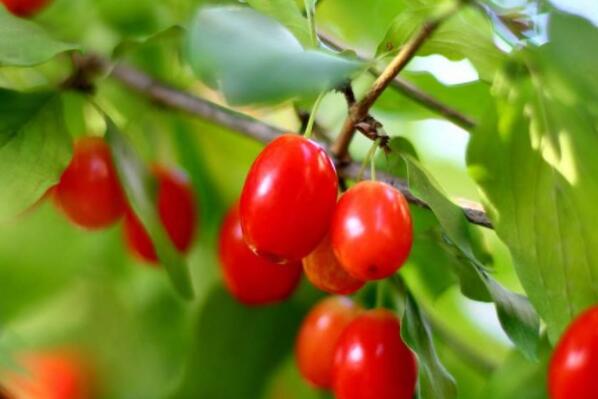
(467, 34)
(141, 188)
(23, 43)
(533, 156)
(435, 382)
(244, 344)
(251, 58)
(518, 318)
(34, 148)
(288, 13)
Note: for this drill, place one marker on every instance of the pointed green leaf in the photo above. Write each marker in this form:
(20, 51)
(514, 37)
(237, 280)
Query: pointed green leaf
(23, 43)
(140, 187)
(35, 148)
(435, 381)
(518, 318)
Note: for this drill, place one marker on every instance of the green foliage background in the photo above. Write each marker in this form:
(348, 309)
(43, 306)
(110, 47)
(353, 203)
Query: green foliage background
(174, 332)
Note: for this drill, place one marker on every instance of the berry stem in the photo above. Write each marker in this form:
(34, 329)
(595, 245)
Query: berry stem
(312, 116)
(310, 11)
(369, 158)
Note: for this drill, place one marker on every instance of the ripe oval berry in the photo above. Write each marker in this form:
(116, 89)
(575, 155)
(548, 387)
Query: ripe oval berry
(52, 375)
(371, 230)
(371, 361)
(24, 8)
(574, 364)
(250, 278)
(324, 271)
(176, 208)
(288, 199)
(319, 333)
(89, 192)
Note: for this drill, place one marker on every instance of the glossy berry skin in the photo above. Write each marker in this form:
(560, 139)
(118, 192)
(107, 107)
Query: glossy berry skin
(288, 199)
(371, 361)
(24, 8)
(573, 368)
(318, 335)
(51, 375)
(325, 272)
(176, 208)
(89, 191)
(371, 230)
(250, 278)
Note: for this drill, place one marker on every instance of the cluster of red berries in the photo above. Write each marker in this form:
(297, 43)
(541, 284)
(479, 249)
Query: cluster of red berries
(289, 219)
(357, 353)
(90, 195)
(24, 8)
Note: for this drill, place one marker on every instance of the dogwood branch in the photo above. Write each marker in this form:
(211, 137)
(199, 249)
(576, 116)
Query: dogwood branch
(413, 92)
(361, 109)
(164, 95)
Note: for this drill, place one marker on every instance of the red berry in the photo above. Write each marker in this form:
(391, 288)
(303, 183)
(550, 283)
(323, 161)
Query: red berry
(176, 208)
(319, 333)
(24, 8)
(288, 199)
(574, 364)
(89, 192)
(324, 271)
(53, 375)
(250, 278)
(371, 361)
(371, 230)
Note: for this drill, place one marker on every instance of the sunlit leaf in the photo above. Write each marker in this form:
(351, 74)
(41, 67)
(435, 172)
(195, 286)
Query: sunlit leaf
(288, 13)
(533, 155)
(467, 34)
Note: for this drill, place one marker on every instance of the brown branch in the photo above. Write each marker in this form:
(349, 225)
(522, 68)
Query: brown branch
(167, 96)
(370, 127)
(413, 92)
(361, 109)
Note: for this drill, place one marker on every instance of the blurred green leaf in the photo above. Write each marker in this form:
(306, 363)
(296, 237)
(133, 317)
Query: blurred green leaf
(533, 155)
(23, 43)
(520, 378)
(251, 58)
(288, 13)
(435, 382)
(288, 383)
(467, 34)
(518, 318)
(211, 205)
(244, 344)
(469, 98)
(34, 148)
(132, 43)
(141, 188)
